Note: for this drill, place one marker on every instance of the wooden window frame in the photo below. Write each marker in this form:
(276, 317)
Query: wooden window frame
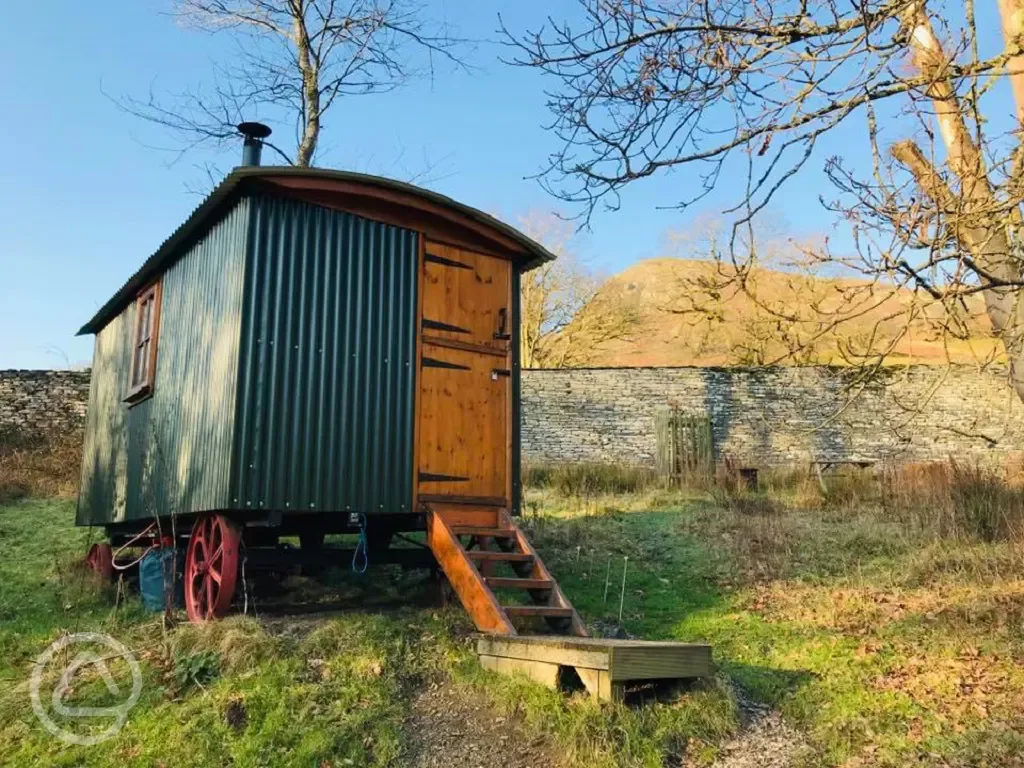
(140, 390)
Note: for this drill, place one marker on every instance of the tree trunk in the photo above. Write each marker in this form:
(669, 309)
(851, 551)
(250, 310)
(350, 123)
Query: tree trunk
(310, 96)
(974, 215)
(1002, 303)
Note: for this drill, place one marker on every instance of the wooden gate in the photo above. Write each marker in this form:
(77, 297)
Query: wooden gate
(463, 447)
(684, 445)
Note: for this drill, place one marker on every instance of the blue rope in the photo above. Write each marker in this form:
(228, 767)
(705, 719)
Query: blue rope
(361, 557)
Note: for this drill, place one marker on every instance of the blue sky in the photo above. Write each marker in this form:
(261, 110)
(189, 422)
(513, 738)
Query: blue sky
(85, 198)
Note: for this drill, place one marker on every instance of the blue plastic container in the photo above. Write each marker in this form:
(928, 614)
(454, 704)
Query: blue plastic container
(156, 571)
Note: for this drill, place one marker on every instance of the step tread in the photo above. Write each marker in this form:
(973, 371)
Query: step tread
(547, 611)
(501, 582)
(495, 533)
(509, 557)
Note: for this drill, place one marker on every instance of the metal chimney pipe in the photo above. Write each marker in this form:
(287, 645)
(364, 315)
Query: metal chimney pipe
(252, 147)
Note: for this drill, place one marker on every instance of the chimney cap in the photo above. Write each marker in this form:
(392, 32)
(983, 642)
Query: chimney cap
(254, 130)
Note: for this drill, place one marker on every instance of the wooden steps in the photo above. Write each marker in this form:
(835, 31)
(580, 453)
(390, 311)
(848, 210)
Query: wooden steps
(605, 666)
(470, 545)
(500, 557)
(547, 611)
(490, 533)
(500, 582)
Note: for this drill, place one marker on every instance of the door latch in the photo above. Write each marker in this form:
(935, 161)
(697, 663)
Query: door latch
(496, 372)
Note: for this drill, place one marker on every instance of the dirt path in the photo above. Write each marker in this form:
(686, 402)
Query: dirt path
(764, 741)
(447, 727)
(452, 727)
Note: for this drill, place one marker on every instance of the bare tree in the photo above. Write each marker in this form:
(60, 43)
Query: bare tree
(294, 61)
(567, 311)
(646, 86)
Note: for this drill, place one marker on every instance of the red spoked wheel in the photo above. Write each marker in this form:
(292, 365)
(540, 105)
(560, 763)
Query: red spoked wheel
(100, 560)
(211, 568)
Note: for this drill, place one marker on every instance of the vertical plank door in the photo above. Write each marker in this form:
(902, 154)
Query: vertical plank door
(465, 382)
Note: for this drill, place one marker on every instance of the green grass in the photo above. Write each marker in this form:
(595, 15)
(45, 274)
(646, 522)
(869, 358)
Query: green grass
(336, 696)
(42, 589)
(883, 646)
(339, 695)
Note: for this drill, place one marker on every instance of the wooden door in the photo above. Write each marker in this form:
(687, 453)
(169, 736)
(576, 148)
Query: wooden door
(465, 377)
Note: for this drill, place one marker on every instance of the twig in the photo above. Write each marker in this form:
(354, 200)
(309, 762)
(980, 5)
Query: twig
(622, 595)
(607, 579)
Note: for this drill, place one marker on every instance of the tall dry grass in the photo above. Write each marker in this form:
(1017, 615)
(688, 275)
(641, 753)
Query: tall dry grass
(589, 478)
(948, 500)
(39, 467)
(955, 500)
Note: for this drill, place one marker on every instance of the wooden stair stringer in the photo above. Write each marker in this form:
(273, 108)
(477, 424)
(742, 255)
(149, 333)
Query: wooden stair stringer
(540, 571)
(468, 583)
(470, 571)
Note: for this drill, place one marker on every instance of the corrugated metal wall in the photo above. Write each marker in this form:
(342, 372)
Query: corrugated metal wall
(102, 497)
(171, 452)
(187, 433)
(326, 388)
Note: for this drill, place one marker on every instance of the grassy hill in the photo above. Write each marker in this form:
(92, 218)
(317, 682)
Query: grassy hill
(685, 323)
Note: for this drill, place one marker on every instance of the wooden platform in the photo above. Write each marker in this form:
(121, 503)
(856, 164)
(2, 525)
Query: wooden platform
(605, 666)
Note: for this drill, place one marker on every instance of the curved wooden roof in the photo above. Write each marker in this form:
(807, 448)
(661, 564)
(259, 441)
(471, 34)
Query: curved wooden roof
(375, 197)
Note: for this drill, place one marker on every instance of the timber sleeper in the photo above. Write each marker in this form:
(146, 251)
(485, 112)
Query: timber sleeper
(605, 666)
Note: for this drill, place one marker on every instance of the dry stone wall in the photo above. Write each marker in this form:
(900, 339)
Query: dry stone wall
(760, 416)
(773, 416)
(43, 403)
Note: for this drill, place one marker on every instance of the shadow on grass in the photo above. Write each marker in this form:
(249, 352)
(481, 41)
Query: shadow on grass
(768, 685)
(640, 571)
(336, 590)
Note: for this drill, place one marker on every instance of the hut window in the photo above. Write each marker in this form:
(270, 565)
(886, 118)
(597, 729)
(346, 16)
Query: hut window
(147, 326)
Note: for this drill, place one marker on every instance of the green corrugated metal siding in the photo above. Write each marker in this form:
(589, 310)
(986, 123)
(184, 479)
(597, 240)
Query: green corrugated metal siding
(141, 437)
(326, 387)
(172, 452)
(105, 454)
(191, 420)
